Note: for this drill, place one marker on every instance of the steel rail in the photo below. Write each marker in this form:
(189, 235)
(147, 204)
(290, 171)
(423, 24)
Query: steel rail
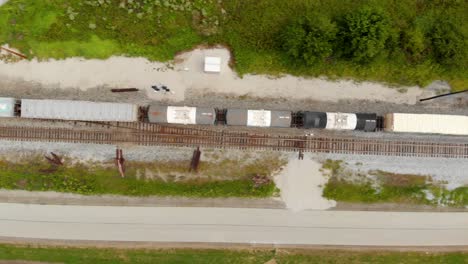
(187, 137)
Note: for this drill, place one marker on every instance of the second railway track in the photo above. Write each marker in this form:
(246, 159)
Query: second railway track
(190, 137)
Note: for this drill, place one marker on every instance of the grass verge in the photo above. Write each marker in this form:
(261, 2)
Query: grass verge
(96, 256)
(142, 179)
(385, 187)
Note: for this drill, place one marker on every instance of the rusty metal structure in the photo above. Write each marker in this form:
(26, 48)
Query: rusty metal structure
(54, 159)
(14, 53)
(119, 161)
(124, 90)
(195, 160)
(159, 135)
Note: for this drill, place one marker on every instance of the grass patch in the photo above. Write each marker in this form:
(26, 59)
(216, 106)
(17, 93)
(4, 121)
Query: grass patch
(385, 187)
(93, 255)
(142, 179)
(158, 29)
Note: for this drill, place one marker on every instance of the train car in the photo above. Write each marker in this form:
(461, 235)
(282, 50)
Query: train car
(7, 107)
(426, 123)
(339, 121)
(181, 115)
(258, 118)
(78, 110)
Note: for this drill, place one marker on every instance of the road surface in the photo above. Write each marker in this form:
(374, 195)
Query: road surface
(253, 226)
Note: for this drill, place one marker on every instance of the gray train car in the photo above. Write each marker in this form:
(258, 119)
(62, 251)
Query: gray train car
(258, 118)
(181, 115)
(79, 110)
(7, 107)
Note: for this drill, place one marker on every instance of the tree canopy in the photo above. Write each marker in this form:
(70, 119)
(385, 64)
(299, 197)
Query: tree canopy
(449, 43)
(310, 38)
(364, 33)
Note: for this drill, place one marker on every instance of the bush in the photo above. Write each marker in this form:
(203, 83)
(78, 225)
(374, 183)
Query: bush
(449, 42)
(310, 39)
(364, 33)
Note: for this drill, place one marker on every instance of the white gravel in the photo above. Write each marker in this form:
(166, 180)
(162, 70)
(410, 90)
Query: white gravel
(92, 152)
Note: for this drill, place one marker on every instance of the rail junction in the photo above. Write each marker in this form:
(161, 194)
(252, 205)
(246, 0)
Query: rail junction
(145, 134)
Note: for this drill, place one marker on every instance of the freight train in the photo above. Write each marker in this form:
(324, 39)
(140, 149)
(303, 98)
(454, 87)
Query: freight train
(122, 112)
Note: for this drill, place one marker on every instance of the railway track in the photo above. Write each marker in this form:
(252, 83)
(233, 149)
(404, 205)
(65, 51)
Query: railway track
(159, 135)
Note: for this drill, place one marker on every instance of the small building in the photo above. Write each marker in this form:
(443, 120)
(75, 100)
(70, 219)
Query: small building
(213, 64)
(7, 107)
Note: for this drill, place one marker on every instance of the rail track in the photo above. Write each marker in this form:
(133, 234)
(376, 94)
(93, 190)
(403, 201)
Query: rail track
(159, 135)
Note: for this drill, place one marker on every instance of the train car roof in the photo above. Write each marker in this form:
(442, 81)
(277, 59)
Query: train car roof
(7, 107)
(79, 110)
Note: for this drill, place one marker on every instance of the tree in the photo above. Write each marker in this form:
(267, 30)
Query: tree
(309, 38)
(415, 43)
(364, 33)
(449, 43)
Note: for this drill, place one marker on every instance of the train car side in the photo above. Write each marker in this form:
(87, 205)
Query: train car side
(258, 118)
(426, 123)
(181, 115)
(340, 121)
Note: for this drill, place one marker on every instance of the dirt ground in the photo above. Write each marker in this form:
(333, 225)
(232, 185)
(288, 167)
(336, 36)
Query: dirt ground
(186, 72)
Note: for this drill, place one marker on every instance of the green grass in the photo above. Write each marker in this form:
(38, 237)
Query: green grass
(158, 29)
(193, 256)
(389, 188)
(166, 179)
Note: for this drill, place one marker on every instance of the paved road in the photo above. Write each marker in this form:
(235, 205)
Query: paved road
(271, 226)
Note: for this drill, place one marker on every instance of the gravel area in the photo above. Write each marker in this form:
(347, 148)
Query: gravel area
(94, 152)
(12, 150)
(452, 171)
(33, 90)
(301, 183)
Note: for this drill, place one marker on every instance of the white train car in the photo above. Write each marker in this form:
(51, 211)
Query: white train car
(426, 123)
(78, 110)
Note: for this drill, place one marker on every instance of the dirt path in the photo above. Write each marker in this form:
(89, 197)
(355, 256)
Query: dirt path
(301, 183)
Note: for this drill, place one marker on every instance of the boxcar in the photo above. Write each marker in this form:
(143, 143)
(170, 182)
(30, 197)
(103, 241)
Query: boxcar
(426, 123)
(258, 118)
(78, 110)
